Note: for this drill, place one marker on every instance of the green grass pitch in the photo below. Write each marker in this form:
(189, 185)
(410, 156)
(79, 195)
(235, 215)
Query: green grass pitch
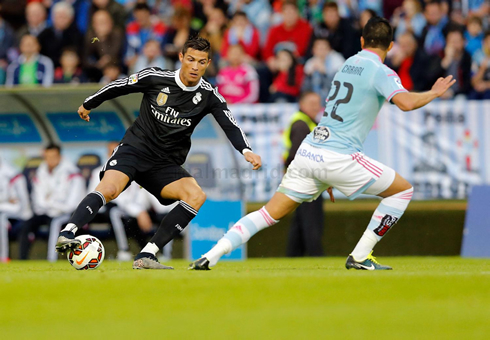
(316, 298)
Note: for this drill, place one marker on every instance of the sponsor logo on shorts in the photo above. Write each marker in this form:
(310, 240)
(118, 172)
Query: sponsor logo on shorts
(133, 79)
(113, 162)
(321, 133)
(386, 223)
(310, 155)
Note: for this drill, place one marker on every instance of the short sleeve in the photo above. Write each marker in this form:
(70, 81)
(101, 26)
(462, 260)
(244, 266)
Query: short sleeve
(388, 83)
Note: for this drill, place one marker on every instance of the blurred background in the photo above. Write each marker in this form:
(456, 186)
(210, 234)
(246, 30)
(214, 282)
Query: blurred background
(55, 53)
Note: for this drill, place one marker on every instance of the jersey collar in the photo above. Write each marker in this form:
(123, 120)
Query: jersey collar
(371, 55)
(181, 84)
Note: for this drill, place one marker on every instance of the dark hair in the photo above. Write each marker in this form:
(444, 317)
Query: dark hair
(52, 146)
(305, 94)
(371, 12)
(433, 2)
(292, 68)
(377, 33)
(240, 14)
(326, 39)
(70, 49)
(475, 19)
(197, 43)
(330, 5)
(456, 30)
(486, 35)
(141, 6)
(289, 3)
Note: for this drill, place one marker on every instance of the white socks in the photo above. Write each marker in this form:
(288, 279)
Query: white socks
(385, 216)
(150, 248)
(239, 234)
(71, 228)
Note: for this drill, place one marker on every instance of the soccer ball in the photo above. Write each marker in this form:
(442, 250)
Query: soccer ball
(87, 255)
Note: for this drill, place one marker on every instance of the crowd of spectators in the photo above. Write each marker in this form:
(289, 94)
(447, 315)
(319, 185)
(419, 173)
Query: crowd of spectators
(261, 50)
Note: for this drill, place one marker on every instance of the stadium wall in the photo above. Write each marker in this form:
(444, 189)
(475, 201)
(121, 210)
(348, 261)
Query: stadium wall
(443, 148)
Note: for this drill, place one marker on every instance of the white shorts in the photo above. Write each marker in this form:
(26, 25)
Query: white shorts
(313, 170)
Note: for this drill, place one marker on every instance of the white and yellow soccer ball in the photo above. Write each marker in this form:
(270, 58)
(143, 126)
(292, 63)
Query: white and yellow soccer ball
(89, 254)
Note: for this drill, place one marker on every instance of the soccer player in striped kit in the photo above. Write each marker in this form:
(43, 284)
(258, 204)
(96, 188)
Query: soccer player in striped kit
(331, 155)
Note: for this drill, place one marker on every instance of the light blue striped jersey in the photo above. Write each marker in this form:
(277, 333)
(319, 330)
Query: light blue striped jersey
(358, 92)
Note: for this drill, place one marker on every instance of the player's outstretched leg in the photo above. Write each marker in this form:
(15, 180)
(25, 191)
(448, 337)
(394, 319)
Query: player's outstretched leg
(239, 234)
(279, 206)
(390, 210)
(111, 185)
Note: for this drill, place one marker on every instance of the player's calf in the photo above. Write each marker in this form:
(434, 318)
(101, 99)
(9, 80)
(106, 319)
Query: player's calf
(239, 234)
(386, 215)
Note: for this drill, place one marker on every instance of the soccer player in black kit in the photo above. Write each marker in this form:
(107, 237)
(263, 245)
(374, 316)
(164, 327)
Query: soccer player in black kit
(154, 148)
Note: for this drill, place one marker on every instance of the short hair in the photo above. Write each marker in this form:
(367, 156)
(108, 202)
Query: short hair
(240, 14)
(330, 5)
(371, 12)
(328, 40)
(476, 20)
(53, 146)
(141, 6)
(456, 30)
(305, 94)
(197, 43)
(486, 35)
(377, 33)
(289, 3)
(69, 49)
(63, 6)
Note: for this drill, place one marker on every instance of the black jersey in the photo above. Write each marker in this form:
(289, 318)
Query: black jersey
(169, 112)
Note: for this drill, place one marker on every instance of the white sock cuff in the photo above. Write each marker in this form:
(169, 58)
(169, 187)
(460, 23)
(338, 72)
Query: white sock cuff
(406, 194)
(150, 248)
(400, 200)
(263, 211)
(71, 227)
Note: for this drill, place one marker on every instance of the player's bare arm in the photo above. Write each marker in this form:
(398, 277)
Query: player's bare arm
(408, 101)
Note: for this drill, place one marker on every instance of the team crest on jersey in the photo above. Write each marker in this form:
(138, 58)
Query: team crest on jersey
(321, 133)
(162, 99)
(197, 98)
(133, 79)
(399, 83)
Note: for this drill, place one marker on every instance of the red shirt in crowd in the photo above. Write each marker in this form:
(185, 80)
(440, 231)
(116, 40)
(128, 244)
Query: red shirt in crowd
(299, 34)
(251, 47)
(404, 73)
(281, 82)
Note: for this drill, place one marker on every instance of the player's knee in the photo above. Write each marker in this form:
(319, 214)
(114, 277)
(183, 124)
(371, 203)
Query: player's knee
(195, 197)
(109, 191)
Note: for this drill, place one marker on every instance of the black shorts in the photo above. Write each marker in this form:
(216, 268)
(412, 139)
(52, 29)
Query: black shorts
(151, 174)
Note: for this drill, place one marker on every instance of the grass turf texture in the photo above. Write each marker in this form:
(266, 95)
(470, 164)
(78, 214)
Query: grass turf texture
(423, 298)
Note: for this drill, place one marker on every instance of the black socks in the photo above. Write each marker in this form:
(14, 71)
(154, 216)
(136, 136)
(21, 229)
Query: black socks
(173, 224)
(87, 209)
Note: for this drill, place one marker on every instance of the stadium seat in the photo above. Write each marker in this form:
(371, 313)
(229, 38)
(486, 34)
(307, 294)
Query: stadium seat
(87, 163)
(200, 167)
(30, 170)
